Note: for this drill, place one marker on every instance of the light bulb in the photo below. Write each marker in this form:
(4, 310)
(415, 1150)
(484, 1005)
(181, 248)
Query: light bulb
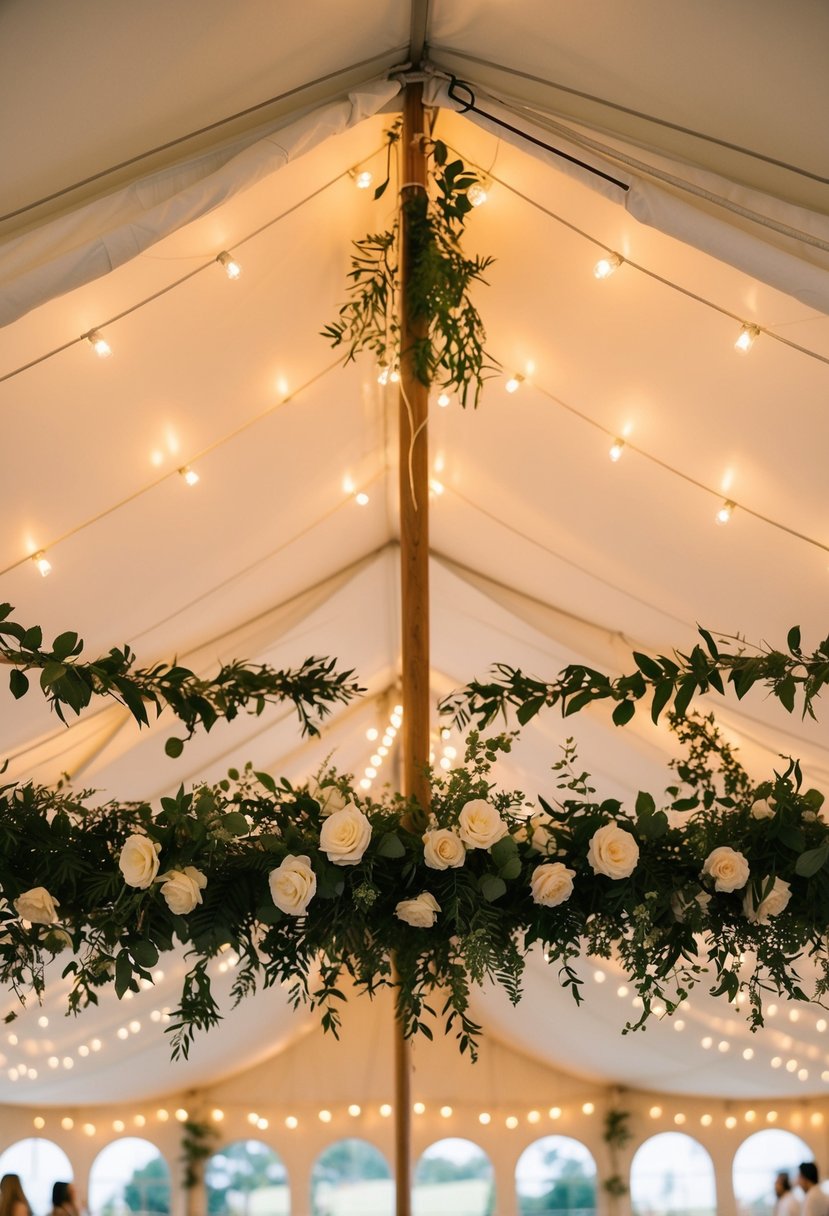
(533, 1116)
(731, 1122)
(263, 1125)
(53, 1062)
(140, 1120)
(292, 1122)
(746, 338)
(771, 1116)
(39, 1122)
(706, 1120)
(217, 1115)
(376, 760)
(419, 1108)
(354, 1110)
(511, 1122)
(616, 450)
(42, 562)
(118, 1125)
(135, 1026)
(162, 1115)
(181, 1115)
(189, 475)
(446, 1112)
(396, 720)
(588, 1108)
(67, 1124)
(83, 1050)
(398, 709)
(706, 1042)
(325, 1116)
(655, 1112)
(554, 1112)
(725, 511)
(607, 266)
(95, 1044)
(365, 784)
(748, 1053)
(383, 375)
(232, 267)
(436, 487)
(443, 400)
(477, 194)
(394, 376)
(723, 1045)
(43, 1021)
(372, 733)
(99, 344)
(514, 383)
(361, 499)
(89, 1129)
(385, 1110)
(371, 772)
(679, 1119)
(363, 179)
(484, 1118)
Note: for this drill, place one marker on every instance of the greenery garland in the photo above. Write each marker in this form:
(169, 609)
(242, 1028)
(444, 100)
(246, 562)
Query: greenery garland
(70, 684)
(452, 354)
(308, 885)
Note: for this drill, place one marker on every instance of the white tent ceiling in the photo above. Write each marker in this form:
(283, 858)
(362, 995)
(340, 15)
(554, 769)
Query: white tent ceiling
(543, 551)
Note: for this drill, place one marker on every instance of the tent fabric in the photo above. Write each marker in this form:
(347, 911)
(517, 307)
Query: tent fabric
(543, 552)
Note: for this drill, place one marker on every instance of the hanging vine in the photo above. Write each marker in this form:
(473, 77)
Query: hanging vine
(452, 353)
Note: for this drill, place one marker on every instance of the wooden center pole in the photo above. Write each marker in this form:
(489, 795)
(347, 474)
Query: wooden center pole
(414, 573)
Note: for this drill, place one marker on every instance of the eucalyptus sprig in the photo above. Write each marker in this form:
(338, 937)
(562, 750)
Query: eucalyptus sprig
(69, 683)
(790, 675)
(452, 353)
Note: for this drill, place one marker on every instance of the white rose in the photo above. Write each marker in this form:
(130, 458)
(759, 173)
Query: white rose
(727, 867)
(552, 884)
(139, 861)
(182, 889)
(443, 850)
(480, 824)
(37, 906)
(613, 852)
(345, 836)
(762, 808)
(774, 903)
(293, 885)
(329, 797)
(420, 912)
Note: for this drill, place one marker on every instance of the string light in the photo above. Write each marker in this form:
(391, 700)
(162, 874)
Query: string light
(41, 561)
(554, 1112)
(484, 1118)
(771, 1116)
(118, 1125)
(477, 194)
(325, 1116)
(262, 1124)
(231, 266)
(748, 1053)
(189, 475)
(363, 180)
(99, 343)
(730, 1122)
(354, 1110)
(446, 1112)
(725, 512)
(89, 1129)
(39, 1122)
(514, 383)
(706, 1120)
(533, 1116)
(67, 1124)
(361, 499)
(383, 375)
(616, 450)
(372, 733)
(607, 266)
(588, 1108)
(385, 1110)
(748, 335)
(443, 400)
(419, 1108)
(291, 1122)
(162, 1115)
(511, 1122)
(140, 1121)
(655, 1112)
(679, 1119)
(181, 1115)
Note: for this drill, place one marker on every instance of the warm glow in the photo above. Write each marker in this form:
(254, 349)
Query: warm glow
(385, 1110)
(554, 1112)
(511, 1122)
(217, 1115)
(419, 1108)
(363, 180)
(514, 383)
(679, 1119)
(189, 475)
(89, 1129)
(655, 1112)
(43, 564)
(616, 450)
(43, 1021)
(725, 511)
(747, 337)
(361, 499)
(67, 1124)
(533, 1116)
(325, 1116)
(232, 267)
(118, 1125)
(750, 1116)
(139, 1121)
(588, 1108)
(771, 1116)
(99, 344)
(446, 1112)
(354, 1110)
(731, 1122)
(39, 1122)
(706, 1042)
(607, 266)
(292, 1122)
(706, 1120)
(383, 375)
(443, 400)
(162, 1115)
(372, 733)
(477, 194)
(181, 1115)
(262, 1124)
(484, 1118)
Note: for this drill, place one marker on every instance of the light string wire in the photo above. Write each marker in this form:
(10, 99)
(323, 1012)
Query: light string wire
(645, 270)
(191, 274)
(171, 473)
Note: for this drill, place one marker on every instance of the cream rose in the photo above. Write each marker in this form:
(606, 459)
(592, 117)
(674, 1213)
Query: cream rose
(727, 867)
(552, 884)
(293, 885)
(773, 904)
(613, 852)
(37, 906)
(139, 861)
(762, 808)
(329, 797)
(480, 824)
(420, 912)
(182, 889)
(345, 836)
(443, 850)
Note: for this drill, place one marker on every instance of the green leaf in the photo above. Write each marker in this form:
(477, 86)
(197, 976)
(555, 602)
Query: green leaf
(52, 672)
(390, 845)
(144, 953)
(267, 781)
(33, 638)
(809, 863)
(64, 645)
(530, 708)
(492, 887)
(661, 697)
(504, 851)
(645, 804)
(623, 712)
(510, 869)
(647, 665)
(269, 914)
(814, 798)
(709, 642)
(793, 639)
(18, 683)
(786, 690)
(174, 747)
(123, 972)
(235, 823)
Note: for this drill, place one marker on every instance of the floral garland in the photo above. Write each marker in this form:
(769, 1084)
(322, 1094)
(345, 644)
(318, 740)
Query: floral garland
(309, 884)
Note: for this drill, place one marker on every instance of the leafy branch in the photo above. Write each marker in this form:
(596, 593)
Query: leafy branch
(789, 675)
(451, 351)
(69, 683)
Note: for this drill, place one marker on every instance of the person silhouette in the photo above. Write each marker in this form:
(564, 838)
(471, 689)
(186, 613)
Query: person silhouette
(13, 1201)
(787, 1203)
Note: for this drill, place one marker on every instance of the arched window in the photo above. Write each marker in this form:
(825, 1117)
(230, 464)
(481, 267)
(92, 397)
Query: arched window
(351, 1176)
(672, 1175)
(556, 1174)
(454, 1177)
(129, 1175)
(758, 1161)
(40, 1164)
(247, 1178)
